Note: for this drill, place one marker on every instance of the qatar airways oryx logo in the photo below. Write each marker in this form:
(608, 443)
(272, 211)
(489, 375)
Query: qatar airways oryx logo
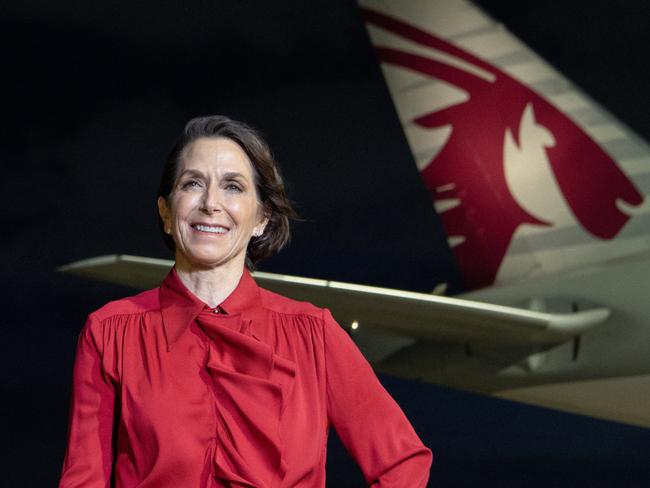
(503, 134)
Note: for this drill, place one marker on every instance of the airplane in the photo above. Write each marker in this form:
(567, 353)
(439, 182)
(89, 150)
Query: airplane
(542, 194)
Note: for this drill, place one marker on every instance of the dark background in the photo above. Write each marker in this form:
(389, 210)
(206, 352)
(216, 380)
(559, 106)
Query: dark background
(94, 95)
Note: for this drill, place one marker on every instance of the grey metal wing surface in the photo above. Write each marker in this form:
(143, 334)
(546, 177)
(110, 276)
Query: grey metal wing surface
(418, 316)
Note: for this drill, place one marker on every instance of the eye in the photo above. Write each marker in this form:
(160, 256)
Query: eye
(234, 187)
(189, 184)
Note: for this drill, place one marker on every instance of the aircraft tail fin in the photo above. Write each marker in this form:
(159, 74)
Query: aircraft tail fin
(528, 174)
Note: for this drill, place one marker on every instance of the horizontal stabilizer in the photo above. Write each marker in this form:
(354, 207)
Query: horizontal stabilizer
(417, 315)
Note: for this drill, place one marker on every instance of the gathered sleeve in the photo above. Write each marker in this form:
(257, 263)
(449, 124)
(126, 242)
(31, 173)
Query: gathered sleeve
(89, 454)
(369, 422)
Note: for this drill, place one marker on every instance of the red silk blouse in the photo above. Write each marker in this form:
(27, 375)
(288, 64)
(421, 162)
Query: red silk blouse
(168, 393)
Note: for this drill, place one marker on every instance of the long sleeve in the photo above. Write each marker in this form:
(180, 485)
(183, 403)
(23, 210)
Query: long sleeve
(369, 422)
(88, 458)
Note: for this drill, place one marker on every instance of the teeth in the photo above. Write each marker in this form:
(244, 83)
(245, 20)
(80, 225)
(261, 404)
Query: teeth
(215, 230)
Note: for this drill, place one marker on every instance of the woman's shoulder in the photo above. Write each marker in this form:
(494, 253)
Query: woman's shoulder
(128, 306)
(288, 306)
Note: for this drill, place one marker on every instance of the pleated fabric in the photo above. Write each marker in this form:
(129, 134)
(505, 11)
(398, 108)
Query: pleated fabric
(168, 393)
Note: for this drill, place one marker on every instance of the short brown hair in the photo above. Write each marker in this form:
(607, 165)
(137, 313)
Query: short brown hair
(266, 174)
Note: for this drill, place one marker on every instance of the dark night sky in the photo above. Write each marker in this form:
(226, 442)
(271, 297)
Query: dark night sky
(99, 97)
(95, 95)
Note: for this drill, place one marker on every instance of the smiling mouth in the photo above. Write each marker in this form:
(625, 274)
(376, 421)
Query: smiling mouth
(211, 229)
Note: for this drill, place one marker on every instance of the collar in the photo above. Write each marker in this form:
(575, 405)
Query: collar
(179, 306)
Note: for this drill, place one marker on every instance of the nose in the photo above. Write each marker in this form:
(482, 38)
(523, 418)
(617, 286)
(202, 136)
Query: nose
(210, 203)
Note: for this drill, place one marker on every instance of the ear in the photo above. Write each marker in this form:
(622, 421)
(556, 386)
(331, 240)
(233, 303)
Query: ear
(165, 214)
(258, 230)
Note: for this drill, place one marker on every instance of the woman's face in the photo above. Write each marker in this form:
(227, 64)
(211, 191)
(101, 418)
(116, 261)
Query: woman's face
(213, 209)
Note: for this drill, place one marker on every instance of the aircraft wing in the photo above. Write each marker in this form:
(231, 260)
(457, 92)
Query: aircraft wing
(418, 316)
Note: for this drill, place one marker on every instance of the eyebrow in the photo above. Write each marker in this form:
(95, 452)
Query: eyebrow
(231, 175)
(192, 172)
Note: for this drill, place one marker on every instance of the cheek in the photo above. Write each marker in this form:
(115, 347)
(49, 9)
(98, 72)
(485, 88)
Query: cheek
(182, 207)
(239, 211)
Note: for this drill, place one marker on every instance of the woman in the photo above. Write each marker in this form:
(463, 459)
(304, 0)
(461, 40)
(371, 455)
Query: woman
(211, 381)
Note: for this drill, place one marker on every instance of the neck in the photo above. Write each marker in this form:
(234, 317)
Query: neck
(211, 285)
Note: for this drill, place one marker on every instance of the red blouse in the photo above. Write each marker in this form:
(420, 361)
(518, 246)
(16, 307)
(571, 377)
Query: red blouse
(167, 393)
